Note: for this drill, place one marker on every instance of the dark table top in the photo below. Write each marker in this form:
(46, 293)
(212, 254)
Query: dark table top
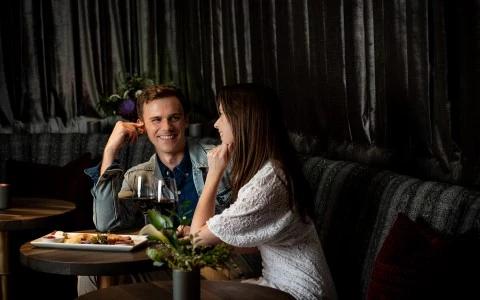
(30, 213)
(155, 290)
(85, 262)
(25, 214)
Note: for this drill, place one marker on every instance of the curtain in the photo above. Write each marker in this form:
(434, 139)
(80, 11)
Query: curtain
(392, 83)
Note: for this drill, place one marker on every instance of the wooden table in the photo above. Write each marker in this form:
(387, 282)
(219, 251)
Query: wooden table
(25, 214)
(105, 264)
(155, 290)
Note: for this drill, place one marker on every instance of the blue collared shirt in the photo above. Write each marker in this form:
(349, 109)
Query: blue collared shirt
(185, 186)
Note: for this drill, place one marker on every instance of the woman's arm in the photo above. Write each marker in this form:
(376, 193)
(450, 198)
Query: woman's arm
(218, 159)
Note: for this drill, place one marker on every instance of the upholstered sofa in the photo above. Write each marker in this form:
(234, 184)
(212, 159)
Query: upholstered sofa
(431, 247)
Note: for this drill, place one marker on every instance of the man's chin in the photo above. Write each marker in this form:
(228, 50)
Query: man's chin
(172, 145)
(167, 143)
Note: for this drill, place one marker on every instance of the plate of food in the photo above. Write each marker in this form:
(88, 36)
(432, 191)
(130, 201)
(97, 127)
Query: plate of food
(90, 241)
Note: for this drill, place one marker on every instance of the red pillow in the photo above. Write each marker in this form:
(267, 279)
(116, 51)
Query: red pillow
(416, 263)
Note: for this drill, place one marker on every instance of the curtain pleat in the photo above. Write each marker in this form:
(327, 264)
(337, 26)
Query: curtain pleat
(390, 83)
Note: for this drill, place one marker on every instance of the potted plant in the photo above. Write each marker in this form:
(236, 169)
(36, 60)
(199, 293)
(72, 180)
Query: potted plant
(123, 101)
(178, 252)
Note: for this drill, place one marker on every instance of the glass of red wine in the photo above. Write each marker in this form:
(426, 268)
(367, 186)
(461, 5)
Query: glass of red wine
(167, 200)
(144, 193)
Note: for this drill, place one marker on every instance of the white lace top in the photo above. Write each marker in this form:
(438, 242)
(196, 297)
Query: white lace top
(292, 256)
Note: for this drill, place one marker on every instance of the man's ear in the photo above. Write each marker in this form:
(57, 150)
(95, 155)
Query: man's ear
(141, 129)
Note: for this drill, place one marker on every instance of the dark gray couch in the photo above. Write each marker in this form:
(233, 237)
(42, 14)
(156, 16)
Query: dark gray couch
(355, 204)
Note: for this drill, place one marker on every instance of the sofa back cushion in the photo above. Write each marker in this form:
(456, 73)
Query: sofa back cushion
(356, 205)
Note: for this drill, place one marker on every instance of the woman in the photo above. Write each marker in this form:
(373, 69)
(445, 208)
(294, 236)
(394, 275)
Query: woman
(273, 202)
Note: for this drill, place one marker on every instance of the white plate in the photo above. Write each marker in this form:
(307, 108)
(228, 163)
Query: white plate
(52, 239)
(137, 239)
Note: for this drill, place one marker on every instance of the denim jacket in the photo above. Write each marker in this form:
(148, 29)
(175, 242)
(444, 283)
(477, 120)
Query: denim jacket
(111, 214)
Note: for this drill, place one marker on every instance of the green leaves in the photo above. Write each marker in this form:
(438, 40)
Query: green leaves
(153, 234)
(179, 254)
(159, 221)
(164, 224)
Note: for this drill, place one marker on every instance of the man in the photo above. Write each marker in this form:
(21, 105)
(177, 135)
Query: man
(163, 115)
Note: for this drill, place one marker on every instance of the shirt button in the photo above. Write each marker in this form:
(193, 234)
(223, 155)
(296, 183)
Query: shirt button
(179, 192)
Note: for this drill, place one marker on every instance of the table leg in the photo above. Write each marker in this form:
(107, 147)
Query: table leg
(4, 268)
(106, 281)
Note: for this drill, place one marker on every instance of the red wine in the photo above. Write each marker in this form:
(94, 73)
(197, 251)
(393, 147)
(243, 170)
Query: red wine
(144, 203)
(164, 204)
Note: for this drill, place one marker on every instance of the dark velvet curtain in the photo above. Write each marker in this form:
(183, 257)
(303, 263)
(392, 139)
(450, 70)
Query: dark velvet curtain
(392, 83)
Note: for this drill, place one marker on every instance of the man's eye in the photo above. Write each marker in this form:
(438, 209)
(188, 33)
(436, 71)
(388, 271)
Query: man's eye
(174, 119)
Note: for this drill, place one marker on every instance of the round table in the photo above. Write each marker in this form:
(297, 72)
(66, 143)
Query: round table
(26, 214)
(105, 264)
(209, 289)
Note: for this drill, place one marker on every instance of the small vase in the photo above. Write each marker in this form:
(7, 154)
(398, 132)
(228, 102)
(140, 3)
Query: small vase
(186, 284)
(94, 127)
(195, 129)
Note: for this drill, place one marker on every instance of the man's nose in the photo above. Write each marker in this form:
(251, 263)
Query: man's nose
(166, 124)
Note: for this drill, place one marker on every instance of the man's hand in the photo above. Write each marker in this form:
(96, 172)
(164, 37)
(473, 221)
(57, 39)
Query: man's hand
(123, 132)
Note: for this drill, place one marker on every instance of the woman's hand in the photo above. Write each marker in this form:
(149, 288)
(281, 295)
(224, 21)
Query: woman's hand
(218, 158)
(183, 231)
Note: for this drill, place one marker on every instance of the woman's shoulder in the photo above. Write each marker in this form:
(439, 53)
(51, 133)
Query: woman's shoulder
(269, 173)
(271, 168)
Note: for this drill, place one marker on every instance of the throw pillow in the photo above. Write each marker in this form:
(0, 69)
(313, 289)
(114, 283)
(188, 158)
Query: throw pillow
(416, 263)
(67, 182)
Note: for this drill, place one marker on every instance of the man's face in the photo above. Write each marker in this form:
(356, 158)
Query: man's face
(165, 124)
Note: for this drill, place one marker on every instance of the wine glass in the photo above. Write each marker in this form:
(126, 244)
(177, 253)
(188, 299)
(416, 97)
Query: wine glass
(167, 199)
(144, 193)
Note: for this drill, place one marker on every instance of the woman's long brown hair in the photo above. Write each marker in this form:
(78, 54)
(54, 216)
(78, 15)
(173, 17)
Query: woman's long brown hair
(255, 115)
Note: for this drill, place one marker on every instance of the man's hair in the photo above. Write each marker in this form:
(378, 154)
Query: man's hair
(158, 91)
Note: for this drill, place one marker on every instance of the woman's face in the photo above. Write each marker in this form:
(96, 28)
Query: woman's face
(223, 127)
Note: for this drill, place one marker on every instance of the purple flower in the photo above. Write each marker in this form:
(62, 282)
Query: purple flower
(127, 109)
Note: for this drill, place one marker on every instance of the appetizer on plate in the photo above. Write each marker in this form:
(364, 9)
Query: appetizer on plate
(88, 238)
(54, 237)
